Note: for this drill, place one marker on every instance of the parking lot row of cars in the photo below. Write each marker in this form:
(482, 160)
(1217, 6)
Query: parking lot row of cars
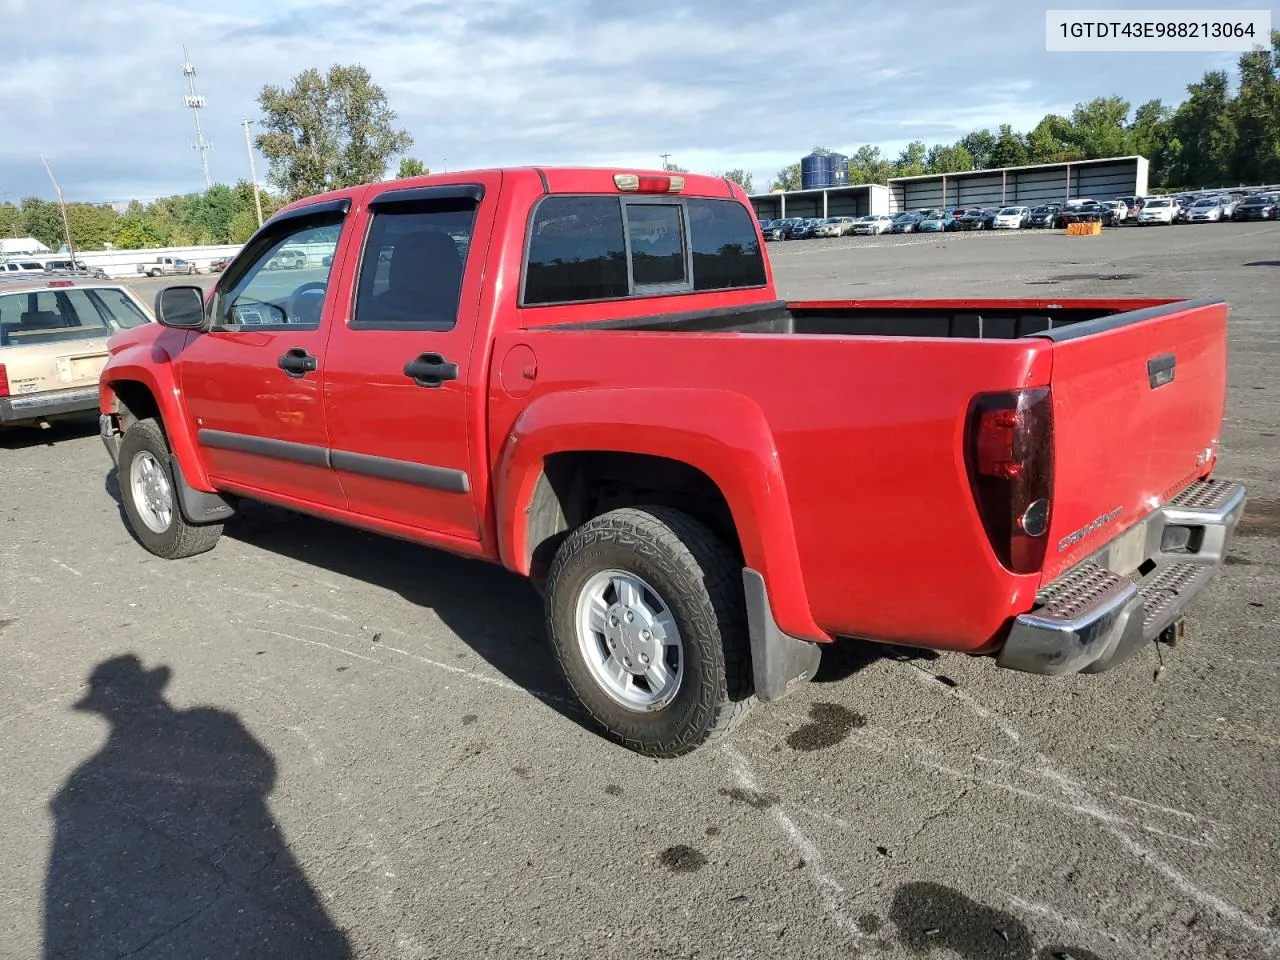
(1136, 210)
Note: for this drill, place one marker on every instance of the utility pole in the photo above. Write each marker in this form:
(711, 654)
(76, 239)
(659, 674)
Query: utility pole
(665, 157)
(71, 247)
(253, 172)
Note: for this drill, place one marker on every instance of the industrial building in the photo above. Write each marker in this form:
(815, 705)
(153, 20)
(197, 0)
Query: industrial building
(1102, 179)
(859, 200)
(825, 191)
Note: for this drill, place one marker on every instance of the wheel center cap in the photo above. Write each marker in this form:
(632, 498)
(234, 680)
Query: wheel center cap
(632, 630)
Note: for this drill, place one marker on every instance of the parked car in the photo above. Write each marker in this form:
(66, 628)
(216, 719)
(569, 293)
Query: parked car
(1011, 218)
(803, 229)
(1158, 210)
(1119, 210)
(1088, 213)
(976, 219)
(1261, 206)
(53, 344)
(1134, 204)
(905, 223)
(938, 222)
(1206, 210)
(872, 224)
(1045, 216)
(699, 532)
(834, 227)
(167, 267)
(778, 229)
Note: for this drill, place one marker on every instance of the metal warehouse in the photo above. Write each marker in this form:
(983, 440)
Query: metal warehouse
(1103, 179)
(859, 200)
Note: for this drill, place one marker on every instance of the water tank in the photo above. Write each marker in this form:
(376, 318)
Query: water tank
(839, 170)
(815, 171)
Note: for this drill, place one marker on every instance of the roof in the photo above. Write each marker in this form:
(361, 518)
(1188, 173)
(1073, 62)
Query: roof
(1062, 164)
(23, 282)
(696, 184)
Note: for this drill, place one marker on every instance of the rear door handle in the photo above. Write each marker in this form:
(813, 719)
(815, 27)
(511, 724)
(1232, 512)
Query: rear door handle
(297, 362)
(430, 370)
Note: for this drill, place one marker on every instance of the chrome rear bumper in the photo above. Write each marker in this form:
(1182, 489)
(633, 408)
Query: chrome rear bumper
(1098, 613)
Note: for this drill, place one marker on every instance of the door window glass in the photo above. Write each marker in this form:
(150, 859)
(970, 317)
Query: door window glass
(285, 284)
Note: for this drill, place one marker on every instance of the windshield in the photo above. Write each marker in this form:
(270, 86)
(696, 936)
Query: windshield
(73, 313)
(1207, 202)
(1010, 212)
(1158, 203)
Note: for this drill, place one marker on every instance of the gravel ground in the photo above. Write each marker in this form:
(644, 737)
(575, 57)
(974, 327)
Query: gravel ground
(359, 745)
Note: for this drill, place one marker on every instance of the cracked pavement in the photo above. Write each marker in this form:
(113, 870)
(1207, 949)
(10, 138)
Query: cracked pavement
(371, 738)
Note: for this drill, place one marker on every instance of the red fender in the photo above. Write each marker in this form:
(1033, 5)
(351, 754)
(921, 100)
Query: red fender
(723, 434)
(150, 364)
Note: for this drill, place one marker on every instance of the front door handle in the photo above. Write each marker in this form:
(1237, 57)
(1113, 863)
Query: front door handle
(430, 370)
(297, 362)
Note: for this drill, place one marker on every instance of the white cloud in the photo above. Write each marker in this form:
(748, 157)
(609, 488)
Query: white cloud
(748, 83)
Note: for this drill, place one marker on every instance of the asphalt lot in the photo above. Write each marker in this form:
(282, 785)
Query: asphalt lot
(367, 740)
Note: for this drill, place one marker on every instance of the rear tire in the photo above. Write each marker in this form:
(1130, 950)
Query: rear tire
(665, 691)
(150, 498)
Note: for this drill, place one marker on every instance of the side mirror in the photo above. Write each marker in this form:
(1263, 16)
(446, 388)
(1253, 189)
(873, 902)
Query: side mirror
(180, 307)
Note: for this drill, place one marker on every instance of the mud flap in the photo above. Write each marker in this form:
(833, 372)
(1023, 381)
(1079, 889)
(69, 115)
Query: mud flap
(780, 663)
(196, 505)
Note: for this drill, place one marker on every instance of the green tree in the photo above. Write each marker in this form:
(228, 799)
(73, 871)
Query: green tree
(136, 231)
(952, 159)
(740, 177)
(208, 215)
(1099, 128)
(788, 178)
(411, 167)
(867, 165)
(93, 226)
(1048, 141)
(1151, 136)
(243, 224)
(1009, 149)
(42, 220)
(911, 161)
(981, 144)
(328, 131)
(1205, 132)
(10, 220)
(1255, 113)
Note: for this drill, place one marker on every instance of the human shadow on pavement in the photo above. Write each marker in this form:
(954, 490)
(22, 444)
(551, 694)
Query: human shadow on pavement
(163, 844)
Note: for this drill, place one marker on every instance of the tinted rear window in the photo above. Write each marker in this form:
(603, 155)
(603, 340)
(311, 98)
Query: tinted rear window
(578, 248)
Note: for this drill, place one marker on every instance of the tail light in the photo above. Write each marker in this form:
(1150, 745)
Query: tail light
(4, 381)
(1009, 458)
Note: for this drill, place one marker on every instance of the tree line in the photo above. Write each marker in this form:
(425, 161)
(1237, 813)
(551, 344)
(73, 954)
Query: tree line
(1213, 138)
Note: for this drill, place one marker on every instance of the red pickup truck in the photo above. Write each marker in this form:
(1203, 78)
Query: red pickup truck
(588, 377)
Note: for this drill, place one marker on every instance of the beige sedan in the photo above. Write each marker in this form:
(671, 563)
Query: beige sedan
(53, 344)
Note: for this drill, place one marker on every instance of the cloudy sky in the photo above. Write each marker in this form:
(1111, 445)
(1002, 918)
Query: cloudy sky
(717, 84)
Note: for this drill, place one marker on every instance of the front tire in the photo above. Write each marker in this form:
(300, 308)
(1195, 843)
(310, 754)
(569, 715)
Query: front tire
(150, 497)
(646, 613)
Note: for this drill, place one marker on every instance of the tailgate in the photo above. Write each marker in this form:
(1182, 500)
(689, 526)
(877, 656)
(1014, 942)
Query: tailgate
(1137, 407)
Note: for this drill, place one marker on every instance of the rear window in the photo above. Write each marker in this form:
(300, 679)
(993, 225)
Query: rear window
(609, 248)
(74, 313)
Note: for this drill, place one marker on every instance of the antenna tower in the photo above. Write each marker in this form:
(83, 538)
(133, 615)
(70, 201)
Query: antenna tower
(195, 103)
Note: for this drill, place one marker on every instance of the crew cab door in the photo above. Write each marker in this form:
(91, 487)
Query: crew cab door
(252, 382)
(404, 390)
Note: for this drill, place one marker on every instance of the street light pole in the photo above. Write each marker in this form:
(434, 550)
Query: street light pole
(62, 204)
(253, 172)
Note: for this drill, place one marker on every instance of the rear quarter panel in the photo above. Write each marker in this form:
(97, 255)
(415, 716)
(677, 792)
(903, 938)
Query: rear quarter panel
(866, 434)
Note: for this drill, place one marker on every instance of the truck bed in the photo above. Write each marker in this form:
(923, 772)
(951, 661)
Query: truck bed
(1004, 319)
